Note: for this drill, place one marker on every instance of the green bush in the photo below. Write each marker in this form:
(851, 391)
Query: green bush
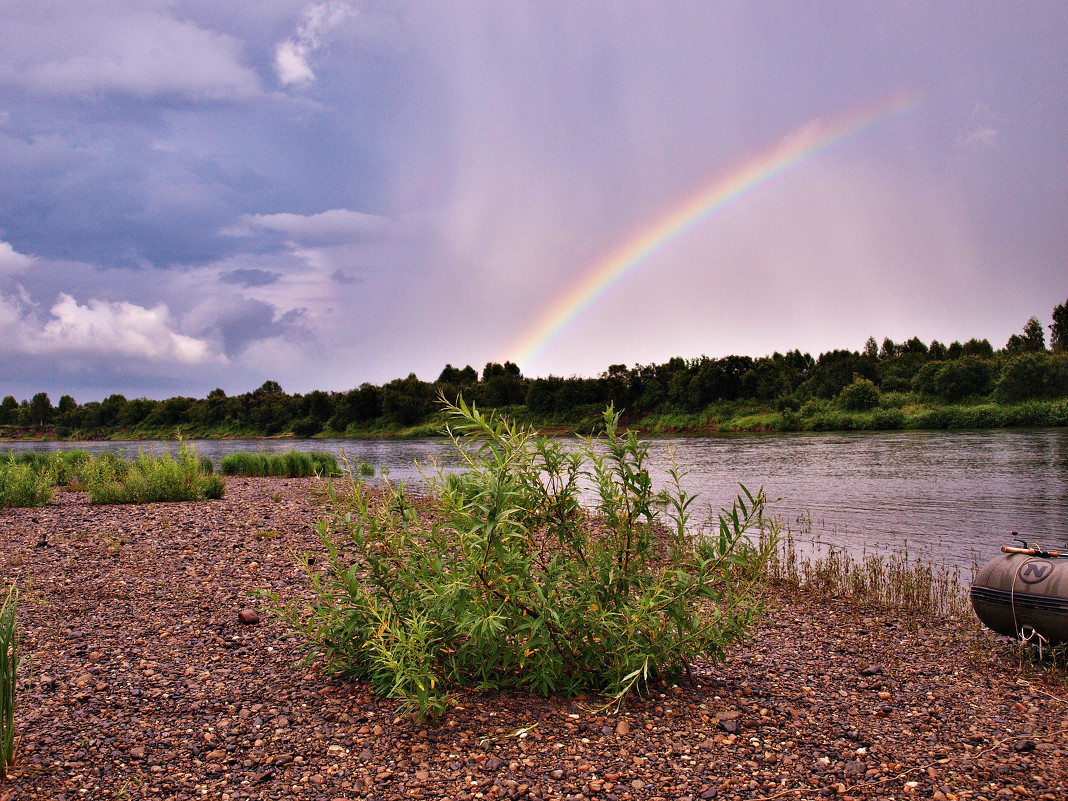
(1030, 413)
(152, 479)
(790, 420)
(291, 464)
(243, 463)
(1033, 375)
(859, 396)
(22, 485)
(1058, 413)
(929, 418)
(986, 415)
(502, 580)
(887, 419)
(956, 380)
(9, 665)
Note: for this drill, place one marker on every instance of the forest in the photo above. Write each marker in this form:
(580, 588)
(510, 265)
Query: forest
(888, 385)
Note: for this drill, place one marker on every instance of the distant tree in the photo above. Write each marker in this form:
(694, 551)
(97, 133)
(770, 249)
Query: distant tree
(492, 370)
(871, 348)
(978, 347)
(216, 393)
(138, 411)
(1058, 329)
(1025, 376)
(269, 388)
(320, 406)
(9, 410)
(954, 380)
(40, 409)
(406, 401)
(1033, 339)
(449, 375)
(67, 404)
(937, 352)
(914, 347)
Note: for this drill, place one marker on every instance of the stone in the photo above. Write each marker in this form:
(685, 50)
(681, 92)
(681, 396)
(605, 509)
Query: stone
(248, 617)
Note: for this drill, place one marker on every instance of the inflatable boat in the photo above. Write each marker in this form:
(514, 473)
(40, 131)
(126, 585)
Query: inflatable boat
(1024, 594)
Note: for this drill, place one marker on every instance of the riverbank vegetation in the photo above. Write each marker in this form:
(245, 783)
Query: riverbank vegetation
(892, 385)
(292, 464)
(31, 478)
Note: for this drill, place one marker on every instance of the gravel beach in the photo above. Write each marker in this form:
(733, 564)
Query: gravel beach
(147, 684)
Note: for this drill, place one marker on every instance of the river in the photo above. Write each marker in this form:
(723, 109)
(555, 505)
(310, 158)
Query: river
(950, 497)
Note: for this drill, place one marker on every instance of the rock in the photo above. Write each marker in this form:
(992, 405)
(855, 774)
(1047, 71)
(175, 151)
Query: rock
(622, 728)
(248, 617)
(872, 670)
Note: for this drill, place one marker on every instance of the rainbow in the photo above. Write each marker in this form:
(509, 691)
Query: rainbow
(754, 172)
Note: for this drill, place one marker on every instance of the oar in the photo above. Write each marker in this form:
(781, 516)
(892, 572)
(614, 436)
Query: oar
(1033, 552)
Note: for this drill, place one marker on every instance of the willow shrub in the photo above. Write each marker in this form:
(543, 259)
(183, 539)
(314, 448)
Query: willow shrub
(9, 664)
(501, 579)
(151, 479)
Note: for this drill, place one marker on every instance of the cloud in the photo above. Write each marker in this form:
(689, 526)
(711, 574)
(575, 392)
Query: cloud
(12, 261)
(327, 227)
(95, 50)
(117, 329)
(291, 56)
(248, 277)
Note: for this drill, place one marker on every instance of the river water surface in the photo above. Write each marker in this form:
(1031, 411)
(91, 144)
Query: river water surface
(950, 497)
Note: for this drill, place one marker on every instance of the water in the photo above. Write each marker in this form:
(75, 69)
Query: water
(949, 497)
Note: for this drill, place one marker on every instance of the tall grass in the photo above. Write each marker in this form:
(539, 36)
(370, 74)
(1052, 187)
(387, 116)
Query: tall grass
(893, 581)
(151, 479)
(9, 664)
(22, 485)
(292, 464)
(63, 466)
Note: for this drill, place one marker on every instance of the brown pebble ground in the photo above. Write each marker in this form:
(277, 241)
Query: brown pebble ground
(146, 685)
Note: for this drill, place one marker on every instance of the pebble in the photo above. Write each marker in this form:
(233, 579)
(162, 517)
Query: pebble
(159, 691)
(248, 617)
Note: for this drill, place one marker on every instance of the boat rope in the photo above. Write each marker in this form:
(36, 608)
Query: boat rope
(1025, 638)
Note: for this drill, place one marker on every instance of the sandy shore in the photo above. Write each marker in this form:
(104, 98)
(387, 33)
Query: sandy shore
(146, 685)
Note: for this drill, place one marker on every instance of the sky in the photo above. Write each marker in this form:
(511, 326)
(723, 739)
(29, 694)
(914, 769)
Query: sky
(198, 194)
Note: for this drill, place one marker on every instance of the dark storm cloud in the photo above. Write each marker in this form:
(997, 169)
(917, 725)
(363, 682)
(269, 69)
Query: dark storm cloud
(249, 277)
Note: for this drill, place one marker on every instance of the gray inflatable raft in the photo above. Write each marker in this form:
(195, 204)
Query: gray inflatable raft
(1024, 594)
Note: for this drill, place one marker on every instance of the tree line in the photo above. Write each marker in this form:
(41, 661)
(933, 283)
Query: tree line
(1024, 369)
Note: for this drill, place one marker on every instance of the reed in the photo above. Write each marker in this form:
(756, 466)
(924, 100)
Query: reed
(21, 485)
(9, 664)
(894, 581)
(292, 464)
(152, 479)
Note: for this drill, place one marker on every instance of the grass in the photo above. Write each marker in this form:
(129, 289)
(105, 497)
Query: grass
(151, 479)
(918, 588)
(292, 464)
(9, 664)
(22, 485)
